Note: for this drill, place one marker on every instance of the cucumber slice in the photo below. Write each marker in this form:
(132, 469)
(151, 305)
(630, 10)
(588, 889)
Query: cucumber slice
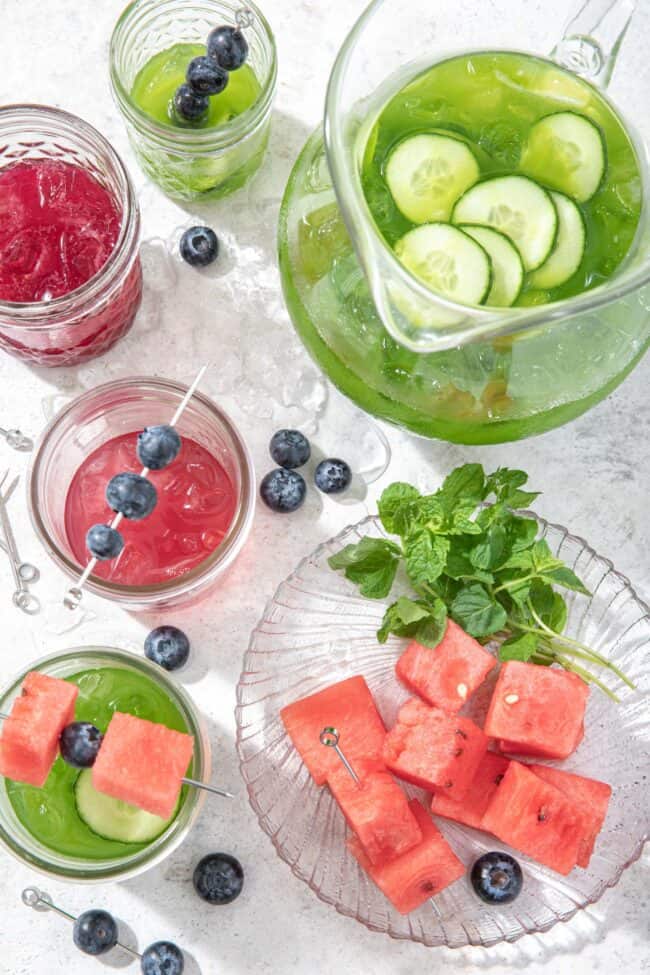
(519, 208)
(507, 265)
(565, 259)
(567, 152)
(427, 173)
(448, 261)
(113, 819)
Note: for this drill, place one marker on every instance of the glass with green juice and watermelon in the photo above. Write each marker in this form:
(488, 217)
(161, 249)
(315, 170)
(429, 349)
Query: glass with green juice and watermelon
(465, 251)
(67, 826)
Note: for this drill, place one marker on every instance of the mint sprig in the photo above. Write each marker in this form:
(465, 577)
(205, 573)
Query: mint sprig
(470, 556)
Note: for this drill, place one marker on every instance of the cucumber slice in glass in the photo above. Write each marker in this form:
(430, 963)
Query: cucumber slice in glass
(567, 152)
(113, 819)
(427, 173)
(507, 265)
(566, 257)
(448, 261)
(517, 207)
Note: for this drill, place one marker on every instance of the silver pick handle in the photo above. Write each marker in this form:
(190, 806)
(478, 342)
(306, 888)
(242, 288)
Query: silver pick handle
(17, 439)
(22, 572)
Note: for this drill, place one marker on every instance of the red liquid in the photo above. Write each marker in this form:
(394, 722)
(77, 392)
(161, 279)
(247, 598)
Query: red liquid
(196, 506)
(58, 226)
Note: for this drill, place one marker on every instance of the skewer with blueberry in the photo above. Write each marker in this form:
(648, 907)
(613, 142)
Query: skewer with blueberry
(208, 75)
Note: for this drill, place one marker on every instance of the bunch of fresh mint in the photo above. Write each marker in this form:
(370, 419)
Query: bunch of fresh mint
(468, 555)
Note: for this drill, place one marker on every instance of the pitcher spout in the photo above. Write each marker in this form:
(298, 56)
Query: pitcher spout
(592, 39)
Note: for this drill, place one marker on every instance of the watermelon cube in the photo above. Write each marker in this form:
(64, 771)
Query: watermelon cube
(423, 872)
(376, 809)
(471, 809)
(347, 706)
(591, 796)
(433, 749)
(143, 763)
(448, 675)
(537, 710)
(536, 818)
(30, 735)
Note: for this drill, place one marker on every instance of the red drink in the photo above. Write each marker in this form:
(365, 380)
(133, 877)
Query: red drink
(58, 228)
(196, 505)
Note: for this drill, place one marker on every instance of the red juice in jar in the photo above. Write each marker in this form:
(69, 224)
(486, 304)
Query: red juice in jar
(196, 506)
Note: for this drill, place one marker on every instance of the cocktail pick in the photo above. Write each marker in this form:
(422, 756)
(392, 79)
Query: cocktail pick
(330, 738)
(17, 439)
(40, 901)
(74, 595)
(23, 572)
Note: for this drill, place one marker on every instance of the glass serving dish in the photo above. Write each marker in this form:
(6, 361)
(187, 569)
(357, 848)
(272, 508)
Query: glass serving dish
(318, 630)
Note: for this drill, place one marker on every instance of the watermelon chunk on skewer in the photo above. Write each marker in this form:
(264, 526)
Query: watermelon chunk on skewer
(434, 750)
(411, 879)
(142, 763)
(471, 809)
(591, 796)
(347, 706)
(376, 810)
(29, 742)
(447, 675)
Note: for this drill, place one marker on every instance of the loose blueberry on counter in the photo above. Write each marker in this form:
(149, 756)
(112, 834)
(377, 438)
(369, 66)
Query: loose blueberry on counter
(104, 542)
(132, 495)
(189, 105)
(95, 932)
(228, 47)
(218, 878)
(199, 246)
(497, 878)
(167, 646)
(158, 446)
(79, 744)
(206, 77)
(162, 958)
(290, 448)
(283, 490)
(332, 476)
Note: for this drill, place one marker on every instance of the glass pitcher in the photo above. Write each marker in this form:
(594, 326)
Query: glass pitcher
(461, 373)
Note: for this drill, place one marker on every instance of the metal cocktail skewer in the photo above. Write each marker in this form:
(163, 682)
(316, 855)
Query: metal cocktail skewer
(330, 738)
(23, 572)
(186, 781)
(17, 439)
(40, 901)
(74, 595)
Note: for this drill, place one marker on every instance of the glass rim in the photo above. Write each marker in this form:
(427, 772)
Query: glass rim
(188, 141)
(209, 568)
(355, 210)
(120, 868)
(93, 291)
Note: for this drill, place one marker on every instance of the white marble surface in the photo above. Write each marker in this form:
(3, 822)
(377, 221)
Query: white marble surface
(594, 475)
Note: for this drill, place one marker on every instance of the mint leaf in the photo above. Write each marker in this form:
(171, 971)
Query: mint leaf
(520, 647)
(394, 496)
(549, 605)
(431, 630)
(505, 484)
(461, 523)
(425, 555)
(490, 551)
(566, 577)
(543, 559)
(371, 564)
(418, 620)
(466, 484)
(477, 612)
(459, 565)
(519, 560)
(522, 533)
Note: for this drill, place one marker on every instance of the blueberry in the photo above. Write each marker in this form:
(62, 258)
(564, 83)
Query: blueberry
(228, 47)
(283, 490)
(79, 744)
(189, 105)
(104, 542)
(290, 448)
(206, 77)
(332, 476)
(162, 958)
(497, 878)
(158, 447)
(218, 878)
(199, 246)
(167, 646)
(95, 932)
(132, 495)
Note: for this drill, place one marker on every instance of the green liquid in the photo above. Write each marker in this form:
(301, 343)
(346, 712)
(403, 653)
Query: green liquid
(50, 814)
(491, 101)
(156, 83)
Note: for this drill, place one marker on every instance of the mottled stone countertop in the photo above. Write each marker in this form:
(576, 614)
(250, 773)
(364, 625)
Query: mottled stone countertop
(594, 475)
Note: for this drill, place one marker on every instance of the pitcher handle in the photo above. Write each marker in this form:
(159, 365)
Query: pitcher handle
(593, 38)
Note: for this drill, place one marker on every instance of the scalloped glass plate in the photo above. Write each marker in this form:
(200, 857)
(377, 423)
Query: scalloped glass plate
(318, 630)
